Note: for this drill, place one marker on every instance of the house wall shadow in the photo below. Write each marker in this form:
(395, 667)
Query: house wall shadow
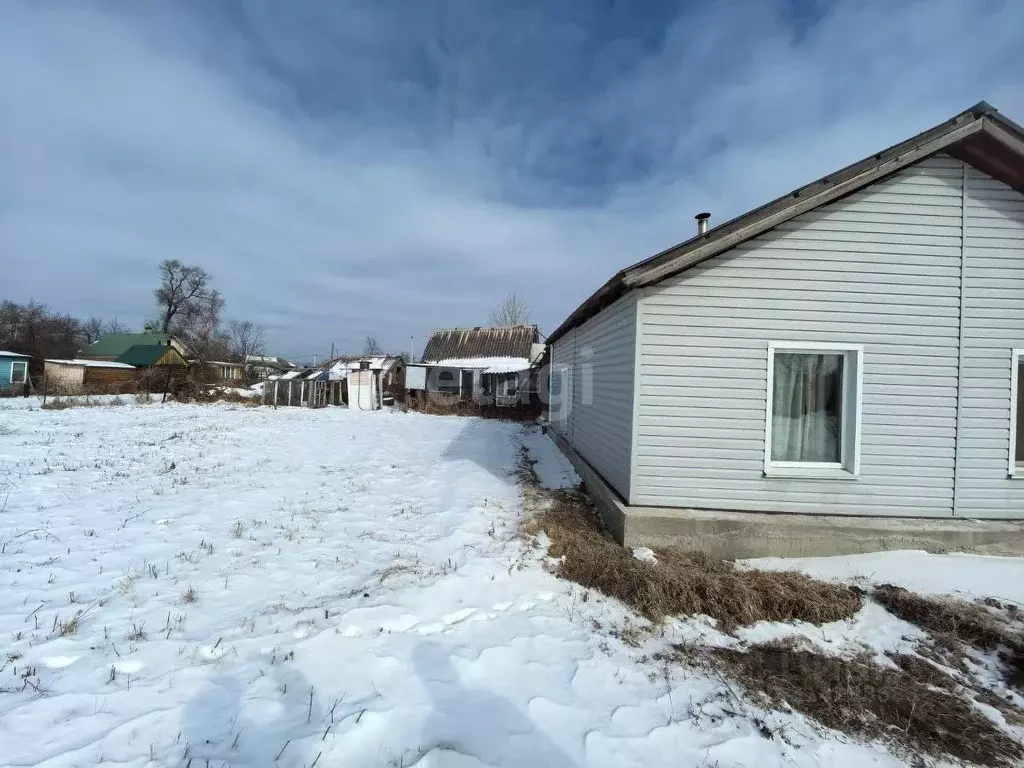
(475, 442)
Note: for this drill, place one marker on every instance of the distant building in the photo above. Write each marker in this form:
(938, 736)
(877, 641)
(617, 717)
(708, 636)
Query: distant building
(114, 345)
(483, 364)
(77, 376)
(13, 370)
(265, 366)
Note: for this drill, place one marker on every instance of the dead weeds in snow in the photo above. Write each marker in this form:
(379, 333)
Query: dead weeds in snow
(956, 625)
(914, 708)
(681, 583)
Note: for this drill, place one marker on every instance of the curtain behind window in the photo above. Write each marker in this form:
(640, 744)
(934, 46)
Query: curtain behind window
(806, 407)
(1018, 454)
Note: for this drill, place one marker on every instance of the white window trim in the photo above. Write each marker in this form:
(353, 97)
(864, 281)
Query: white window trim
(1014, 471)
(849, 467)
(24, 375)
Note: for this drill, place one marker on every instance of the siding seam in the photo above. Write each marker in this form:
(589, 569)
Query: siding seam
(634, 438)
(960, 342)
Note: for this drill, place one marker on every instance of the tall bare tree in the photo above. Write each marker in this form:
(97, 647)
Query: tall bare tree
(246, 340)
(512, 311)
(371, 347)
(198, 327)
(182, 288)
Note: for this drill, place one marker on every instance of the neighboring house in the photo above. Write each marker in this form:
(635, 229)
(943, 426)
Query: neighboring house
(155, 356)
(76, 376)
(265, 366)
(219, 370)
(13, 371)
(485, 364)
(113, 345)
(855, 347)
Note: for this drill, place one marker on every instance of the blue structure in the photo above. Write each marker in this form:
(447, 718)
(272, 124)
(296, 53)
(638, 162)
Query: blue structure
(13, 370)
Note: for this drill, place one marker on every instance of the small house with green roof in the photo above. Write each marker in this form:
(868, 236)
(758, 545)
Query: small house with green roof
(152, 355)
(112, 346)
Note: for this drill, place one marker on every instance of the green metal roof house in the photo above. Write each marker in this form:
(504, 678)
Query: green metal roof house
(114, 345)
(149, 355)
(13, 369)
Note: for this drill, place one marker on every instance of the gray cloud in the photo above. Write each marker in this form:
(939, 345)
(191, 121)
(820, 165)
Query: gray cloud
(346, 171)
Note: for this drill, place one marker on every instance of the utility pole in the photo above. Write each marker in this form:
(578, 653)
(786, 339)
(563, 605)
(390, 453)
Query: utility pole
(332, 350)
(412, 349)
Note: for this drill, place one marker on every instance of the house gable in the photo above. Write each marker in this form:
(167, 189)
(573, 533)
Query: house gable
(980, 136)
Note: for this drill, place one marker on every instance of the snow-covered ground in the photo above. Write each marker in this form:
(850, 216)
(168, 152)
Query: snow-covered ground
(261, 587)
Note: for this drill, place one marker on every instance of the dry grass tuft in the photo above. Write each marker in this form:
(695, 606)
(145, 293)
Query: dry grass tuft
(955, 623)
(238, 529)
(682, 583)
(971, 624)
(63, 628)
(912, 708)
(189, 595)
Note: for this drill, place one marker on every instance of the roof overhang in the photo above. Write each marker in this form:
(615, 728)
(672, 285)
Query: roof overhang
(980, 137)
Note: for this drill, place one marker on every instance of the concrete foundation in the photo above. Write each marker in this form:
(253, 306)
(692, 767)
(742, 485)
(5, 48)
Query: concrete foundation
(736, 535)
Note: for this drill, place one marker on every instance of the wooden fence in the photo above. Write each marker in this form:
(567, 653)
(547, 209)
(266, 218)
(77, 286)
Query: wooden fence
(302, 393)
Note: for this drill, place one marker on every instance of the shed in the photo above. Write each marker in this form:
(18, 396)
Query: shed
(78, 376)
(13, 370)
(483, 364)
(851, 348)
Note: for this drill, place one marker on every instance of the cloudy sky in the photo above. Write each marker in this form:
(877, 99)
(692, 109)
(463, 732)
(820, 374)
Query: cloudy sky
(367, 167)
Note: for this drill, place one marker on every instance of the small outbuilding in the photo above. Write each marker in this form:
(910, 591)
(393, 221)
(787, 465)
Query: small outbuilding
(13, 371)
(487, 365)
(78, 376)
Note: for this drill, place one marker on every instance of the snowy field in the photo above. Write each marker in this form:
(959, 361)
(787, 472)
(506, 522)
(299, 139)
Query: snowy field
(221, 585)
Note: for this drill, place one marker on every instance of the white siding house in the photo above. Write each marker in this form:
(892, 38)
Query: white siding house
(851, 348)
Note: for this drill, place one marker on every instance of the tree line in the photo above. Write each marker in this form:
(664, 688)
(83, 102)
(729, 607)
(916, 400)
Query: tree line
(188, 307)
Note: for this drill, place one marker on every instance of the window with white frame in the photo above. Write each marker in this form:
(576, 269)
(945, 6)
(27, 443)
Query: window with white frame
(19, 372)
(813, 414)
(1017, 414)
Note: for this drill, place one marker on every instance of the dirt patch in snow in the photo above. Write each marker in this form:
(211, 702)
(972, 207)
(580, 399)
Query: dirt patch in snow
(914, 707)
(678, 583)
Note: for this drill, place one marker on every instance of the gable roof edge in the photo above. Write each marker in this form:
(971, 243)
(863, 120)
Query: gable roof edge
(982, 118)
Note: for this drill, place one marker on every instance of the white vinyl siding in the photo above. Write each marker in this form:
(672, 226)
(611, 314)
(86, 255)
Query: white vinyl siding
(597, 360)
(880, 270)
(993, 329)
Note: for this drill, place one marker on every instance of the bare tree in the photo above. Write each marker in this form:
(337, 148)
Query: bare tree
(198, 327)
(371, 347)
(181, 288)
(92, 329)
(246, 341)
(513, 311)
(95, 327)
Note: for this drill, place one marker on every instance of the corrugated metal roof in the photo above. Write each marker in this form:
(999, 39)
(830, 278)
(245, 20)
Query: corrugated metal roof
(91, 363)
(461, 343)
(116, 344)
(143, 354)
